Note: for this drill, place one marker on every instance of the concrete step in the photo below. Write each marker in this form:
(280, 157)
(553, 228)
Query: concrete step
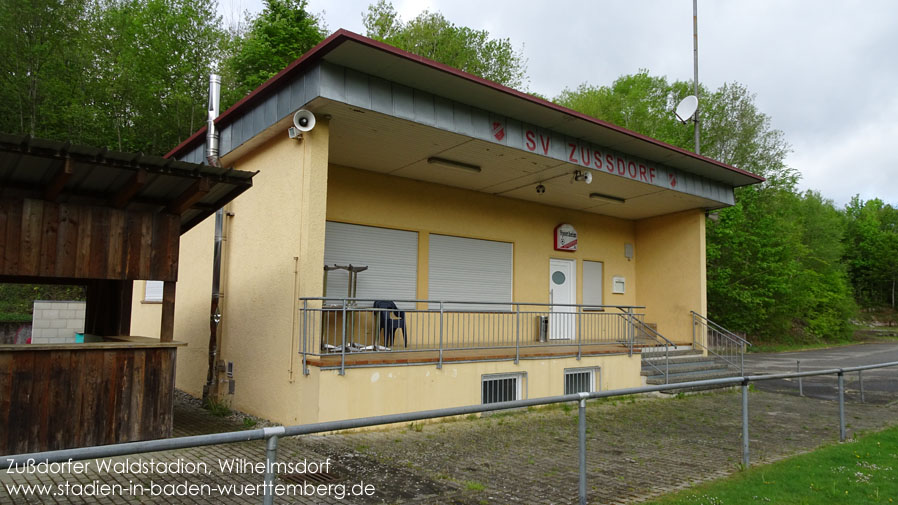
(652, 354)
(681, 366)
(676, 378)
(679, 358)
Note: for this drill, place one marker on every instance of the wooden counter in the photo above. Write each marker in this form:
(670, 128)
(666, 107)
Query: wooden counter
(74, 395)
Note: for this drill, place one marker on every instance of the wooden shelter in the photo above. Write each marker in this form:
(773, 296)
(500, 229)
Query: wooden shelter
(73, 214)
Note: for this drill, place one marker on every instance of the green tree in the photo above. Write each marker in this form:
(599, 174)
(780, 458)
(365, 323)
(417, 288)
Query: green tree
(151, 62)
(872, 250)
(41, 42)
(281, 33)
(433, 36)
(774, 267)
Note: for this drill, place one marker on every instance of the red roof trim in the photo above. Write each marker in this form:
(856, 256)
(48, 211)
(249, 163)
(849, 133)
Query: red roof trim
(341, 36)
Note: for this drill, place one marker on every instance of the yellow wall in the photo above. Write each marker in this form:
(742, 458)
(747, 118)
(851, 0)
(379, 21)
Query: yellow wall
(367, 198)
(274, 250)
(670, 271)
(272, 254)
(386, 390)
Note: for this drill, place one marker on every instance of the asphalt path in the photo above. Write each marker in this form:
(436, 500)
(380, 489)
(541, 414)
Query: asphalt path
(879, 386)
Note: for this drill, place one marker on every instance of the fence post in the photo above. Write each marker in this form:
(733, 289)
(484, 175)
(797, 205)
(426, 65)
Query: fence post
(745, 458)
(694, 323)
(800, 385)
(271, 459)
(841, 406)
(579, 334)
(305, 334)
(581, 428)
(343, 346)
(517, 329)
(440, 363)
(860, 378)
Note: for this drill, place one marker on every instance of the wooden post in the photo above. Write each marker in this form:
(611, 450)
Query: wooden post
(167, 332)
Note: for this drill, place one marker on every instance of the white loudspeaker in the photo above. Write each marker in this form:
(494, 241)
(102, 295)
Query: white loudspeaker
(303, 120)
(588, 178)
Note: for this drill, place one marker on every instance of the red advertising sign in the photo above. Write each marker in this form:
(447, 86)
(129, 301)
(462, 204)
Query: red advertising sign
(565, 238)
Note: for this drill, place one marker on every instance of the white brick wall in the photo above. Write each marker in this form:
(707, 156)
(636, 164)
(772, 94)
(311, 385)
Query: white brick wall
(56, 322)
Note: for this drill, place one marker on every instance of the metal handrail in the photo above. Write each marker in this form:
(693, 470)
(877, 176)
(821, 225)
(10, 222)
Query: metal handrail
(725, 332)
(731, 338)
(272, 434)
(332, 325)
(659, 338)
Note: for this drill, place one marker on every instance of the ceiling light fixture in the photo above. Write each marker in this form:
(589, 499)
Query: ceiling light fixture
(607, 198)
(454, 164)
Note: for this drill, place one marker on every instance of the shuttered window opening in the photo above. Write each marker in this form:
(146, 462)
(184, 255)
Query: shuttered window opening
(470, 270)
(500, 388)
(153, 291)
(592, 285)
(390, 255)
(579, 380)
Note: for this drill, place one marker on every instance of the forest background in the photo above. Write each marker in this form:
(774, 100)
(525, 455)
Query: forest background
(131, 75)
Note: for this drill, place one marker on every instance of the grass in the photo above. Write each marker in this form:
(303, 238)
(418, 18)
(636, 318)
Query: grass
(216, 407)
(14, 317)
(473, 485)
(861, 471)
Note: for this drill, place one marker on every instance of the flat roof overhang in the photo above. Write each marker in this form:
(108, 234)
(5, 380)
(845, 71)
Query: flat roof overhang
(391, 109)
(62, 172)
(379, 143)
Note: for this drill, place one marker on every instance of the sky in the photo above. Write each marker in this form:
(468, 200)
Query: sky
(825, 72)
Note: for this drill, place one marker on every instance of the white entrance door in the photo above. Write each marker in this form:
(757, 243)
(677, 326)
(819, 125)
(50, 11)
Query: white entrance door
(562, 290)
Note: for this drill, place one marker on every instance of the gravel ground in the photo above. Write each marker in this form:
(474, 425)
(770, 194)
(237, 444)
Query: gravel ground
(637, 449)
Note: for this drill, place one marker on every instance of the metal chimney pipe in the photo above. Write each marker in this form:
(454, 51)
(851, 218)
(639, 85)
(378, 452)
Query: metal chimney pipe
(211, 386)
(211, 133)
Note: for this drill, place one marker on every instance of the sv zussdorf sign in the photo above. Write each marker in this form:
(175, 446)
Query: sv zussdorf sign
(565, 238)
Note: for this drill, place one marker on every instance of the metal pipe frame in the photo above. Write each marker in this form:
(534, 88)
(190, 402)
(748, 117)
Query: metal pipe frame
(272, 433)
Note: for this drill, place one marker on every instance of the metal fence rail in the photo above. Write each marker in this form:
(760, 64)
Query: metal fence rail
(341, 326)
(272, 434)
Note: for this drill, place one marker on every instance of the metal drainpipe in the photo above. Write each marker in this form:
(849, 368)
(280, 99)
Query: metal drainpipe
(211, 387)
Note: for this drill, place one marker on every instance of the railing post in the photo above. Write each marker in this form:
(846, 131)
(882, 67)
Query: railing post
(581, 429)
(860, 378)
(271, 459)
(304, 333)
(631, 330)
(745, 458)
(517, 329)
(579, 334)
(440, 363)
(841, 406)
(694, 324)
(343, 347)
(800, 384)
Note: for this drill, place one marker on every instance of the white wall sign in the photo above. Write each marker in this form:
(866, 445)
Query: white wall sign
(565, 238)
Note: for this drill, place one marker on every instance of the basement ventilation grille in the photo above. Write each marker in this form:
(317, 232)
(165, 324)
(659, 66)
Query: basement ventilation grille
(500, 388)
(579, 380)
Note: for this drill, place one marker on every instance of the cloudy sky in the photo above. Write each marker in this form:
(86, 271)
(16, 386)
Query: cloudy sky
(826, 72)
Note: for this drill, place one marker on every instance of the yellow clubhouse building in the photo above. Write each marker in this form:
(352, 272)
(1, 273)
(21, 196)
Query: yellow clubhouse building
(417, 237)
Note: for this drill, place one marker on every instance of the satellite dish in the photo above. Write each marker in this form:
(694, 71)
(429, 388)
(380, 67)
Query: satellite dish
(686, 109)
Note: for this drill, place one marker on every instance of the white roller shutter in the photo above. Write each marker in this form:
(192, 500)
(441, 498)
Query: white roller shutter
(465, 269)
(592, 284)
(390, 255)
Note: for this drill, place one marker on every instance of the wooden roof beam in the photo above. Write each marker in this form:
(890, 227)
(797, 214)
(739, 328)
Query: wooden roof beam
(121, 199)
(190, 196)
(51, 193)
